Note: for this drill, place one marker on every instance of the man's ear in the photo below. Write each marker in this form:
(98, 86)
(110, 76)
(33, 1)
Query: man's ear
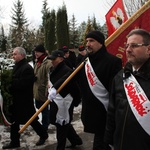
(149, 49)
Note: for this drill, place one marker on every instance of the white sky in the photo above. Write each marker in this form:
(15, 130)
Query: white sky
(80, 8)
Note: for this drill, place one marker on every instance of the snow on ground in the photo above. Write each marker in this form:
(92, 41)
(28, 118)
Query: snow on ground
(29, 137)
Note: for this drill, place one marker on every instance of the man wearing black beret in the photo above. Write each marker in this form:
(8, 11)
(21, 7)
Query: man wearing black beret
(69, 60)
(82, 53)
(95, 81)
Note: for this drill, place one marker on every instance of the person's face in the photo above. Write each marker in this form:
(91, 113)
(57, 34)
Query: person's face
(17, 56)
(66, 55)
(83, 53)
(37, 54)
(56, 61)
(137, 55)
(93, 45)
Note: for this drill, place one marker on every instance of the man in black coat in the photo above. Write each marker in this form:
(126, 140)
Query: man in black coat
(69, 57)
(128, 114)
(81, 55)
(62, 104)
(95, 80)
(22, 107)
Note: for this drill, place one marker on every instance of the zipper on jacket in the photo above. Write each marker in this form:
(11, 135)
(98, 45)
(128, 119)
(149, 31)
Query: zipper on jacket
(123, 128)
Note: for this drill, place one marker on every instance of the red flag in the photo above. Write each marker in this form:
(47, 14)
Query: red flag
(115, 17)
(115, 43)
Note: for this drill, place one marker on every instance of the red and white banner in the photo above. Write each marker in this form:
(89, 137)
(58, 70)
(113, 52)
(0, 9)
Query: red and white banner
(115, 43)
(115, 17)
(7, 123)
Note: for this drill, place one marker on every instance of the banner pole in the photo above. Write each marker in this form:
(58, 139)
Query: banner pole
(48, 101)
(127, 23)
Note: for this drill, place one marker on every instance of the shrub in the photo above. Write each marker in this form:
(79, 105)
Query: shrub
(6, 80)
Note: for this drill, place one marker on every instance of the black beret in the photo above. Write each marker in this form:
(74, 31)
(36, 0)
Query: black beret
(40, 48)
(81, 48)
(97, 35)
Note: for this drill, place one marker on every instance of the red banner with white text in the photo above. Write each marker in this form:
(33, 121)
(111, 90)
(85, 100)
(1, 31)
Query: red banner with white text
(115, 17)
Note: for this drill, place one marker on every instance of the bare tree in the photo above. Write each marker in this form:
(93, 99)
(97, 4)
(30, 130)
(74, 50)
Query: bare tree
(132, 6)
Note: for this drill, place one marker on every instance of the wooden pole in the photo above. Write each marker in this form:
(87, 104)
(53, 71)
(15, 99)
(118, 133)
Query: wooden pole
(48, 101)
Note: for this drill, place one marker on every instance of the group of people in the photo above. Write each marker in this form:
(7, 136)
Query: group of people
(115, 99)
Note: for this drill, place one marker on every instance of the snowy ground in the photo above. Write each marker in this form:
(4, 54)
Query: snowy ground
(29, 137)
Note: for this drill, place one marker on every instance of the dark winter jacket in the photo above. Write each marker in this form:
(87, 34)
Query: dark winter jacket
(72, 58)
(22, 92)
(79, 59)
(123, 129)
(57, 77)
(93, 113)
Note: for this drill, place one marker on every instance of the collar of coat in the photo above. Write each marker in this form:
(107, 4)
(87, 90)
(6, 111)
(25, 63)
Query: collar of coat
(41, 59)
(97, 55)
(144, 71)
(19, 64)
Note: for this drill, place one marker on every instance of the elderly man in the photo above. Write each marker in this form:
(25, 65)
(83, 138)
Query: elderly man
(22, 107)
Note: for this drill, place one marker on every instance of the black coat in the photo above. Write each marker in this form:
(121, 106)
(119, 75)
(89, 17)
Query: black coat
(123, 128)
(57, 77)
(93, 113)
(22, 92)
(72, 58)
(79, 59)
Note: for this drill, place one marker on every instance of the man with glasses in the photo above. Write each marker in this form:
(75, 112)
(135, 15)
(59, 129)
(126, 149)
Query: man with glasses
(128, 115)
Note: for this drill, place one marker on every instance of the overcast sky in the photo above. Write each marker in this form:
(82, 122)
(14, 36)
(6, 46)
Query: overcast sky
(80, 8)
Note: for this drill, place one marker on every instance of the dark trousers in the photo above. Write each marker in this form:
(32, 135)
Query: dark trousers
(15, 136)
(98, 143)
(64, 132)
(45, 113)
(72, 136)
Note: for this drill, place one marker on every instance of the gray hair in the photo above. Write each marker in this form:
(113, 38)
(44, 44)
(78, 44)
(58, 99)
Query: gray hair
(21, 51)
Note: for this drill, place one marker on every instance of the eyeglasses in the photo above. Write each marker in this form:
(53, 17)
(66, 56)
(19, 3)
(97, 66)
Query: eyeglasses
(134, 45)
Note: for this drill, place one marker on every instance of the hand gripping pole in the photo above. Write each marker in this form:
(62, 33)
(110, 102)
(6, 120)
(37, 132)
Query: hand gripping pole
(48, 101)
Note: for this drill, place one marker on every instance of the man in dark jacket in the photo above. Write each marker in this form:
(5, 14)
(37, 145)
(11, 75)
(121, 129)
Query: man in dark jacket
(95, 80)
(81, 55)
(69, 59)
(62, 105)
(128, 112)
(22, 108)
